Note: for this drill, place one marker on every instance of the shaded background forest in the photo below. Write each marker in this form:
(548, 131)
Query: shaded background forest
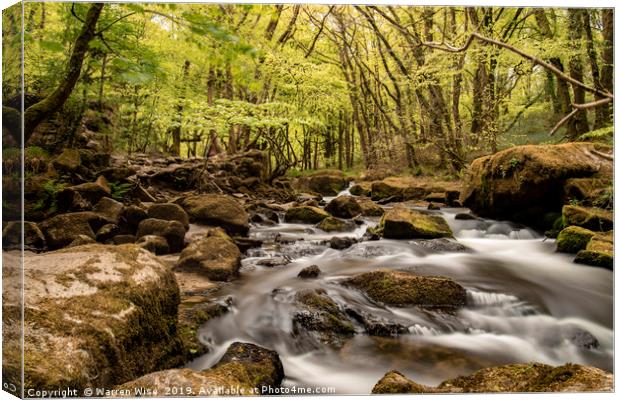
(317, 86)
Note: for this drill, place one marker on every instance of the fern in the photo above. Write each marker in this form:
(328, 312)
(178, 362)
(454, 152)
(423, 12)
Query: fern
(120, 189)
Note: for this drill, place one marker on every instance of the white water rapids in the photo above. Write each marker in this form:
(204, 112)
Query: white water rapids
(525, 303)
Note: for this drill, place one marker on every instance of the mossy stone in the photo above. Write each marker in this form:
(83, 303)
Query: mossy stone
(305, 215)
(573, 238)
(403, 223)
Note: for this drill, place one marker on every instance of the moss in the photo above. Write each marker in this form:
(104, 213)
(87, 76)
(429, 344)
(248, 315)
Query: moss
(402, 223)
(320, 313)
(573, 239)
(592, 218)
(595, 258)
(401, 289)
(394, 382)
(305, 215)
(361, 189)
(331, 224)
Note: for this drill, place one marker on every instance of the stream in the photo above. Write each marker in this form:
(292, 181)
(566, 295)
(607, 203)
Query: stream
(525, 303)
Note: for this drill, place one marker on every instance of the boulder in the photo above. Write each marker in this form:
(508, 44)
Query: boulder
(310, 272)
(327, 183)
(341, 243)
(173, 231)
(245, 369)
(369, 207)
(305, 215)
(12, 234)
(213, 256)
(573, 238)
(124, 239)
(131, 216)
(81, 240)
(595, 219)
(116, 174)
(523, 183)
(319, 314)
(95, 316)
(387, 189)
(106, 232)
(465, 217)
(155, 244)
(169, 212)
(89, 191)
(67, 161)
(513, 378)
(217, 210)
(377, 326)
(62, 229)
(331, 224)
(109, 208)
(443, 245)
(401, 288)
(361, 189)
(586, 190)
(599, 252)
(403, 223)
(344, 207)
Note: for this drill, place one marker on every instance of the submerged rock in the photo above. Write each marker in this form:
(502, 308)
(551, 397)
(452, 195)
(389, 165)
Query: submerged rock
(310, 272)
(401, 288)
(523, 183)
(217, 210)
(245, 369)
(96, 316)
(403, 223)
(465, 217)
(376, 326)
(215, 257)
(341, 243)
(533, 377)
(443, 245)
(320, 314)
(573, 238)
(305, 215)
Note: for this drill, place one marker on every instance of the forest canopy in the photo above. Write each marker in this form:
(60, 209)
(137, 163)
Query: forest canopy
(316, 86)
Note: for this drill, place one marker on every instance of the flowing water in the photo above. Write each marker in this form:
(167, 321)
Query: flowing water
(525, 303)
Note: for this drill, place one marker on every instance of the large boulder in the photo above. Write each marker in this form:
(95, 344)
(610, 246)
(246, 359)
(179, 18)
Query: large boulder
(404, 223)
(523, 183)
(361, 189)
(109, 208)
(67, 161)
(401, 288)
(596, 219)
(305, 215)
(173, 231)
(369, 207)
(344, 207)
(573, 238)
(89, 191)
(62, 229)
(327, 183)
(216, 257)
(331, 224)
(169, 212)
(513, 378)
(245, 369)
(217, 210)
(94, 316)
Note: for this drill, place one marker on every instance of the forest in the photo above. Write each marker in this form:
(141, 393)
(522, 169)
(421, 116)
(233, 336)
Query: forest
(231, 199)
(316, 86)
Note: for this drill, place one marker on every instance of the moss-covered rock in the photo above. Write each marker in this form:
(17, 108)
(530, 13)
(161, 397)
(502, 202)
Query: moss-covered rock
(169, 212)
(89, 191)
(331, 224)
(586, 190)
(67, 161)
(12, 236)
(523, 183)
(217, 210)
(344, 207)
(401, 288)
(573, 238)
(385, 189)
(361, 189)
(370, 208)
(599, 252)
(109, 208)
(173, 231)
(245, 369)
(305, 215)
(310, 272)
(403, 223)
(96, 316)
(595, 219)
(62, 229)
(320, 314)
(533, 377)
(216, 257)
(155, 244)
(327, 183)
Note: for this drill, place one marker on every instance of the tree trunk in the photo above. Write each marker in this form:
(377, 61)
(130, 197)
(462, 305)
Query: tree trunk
(600, 119)
(42, 110)
(607, 58)
(575, 32)
(273, 22)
